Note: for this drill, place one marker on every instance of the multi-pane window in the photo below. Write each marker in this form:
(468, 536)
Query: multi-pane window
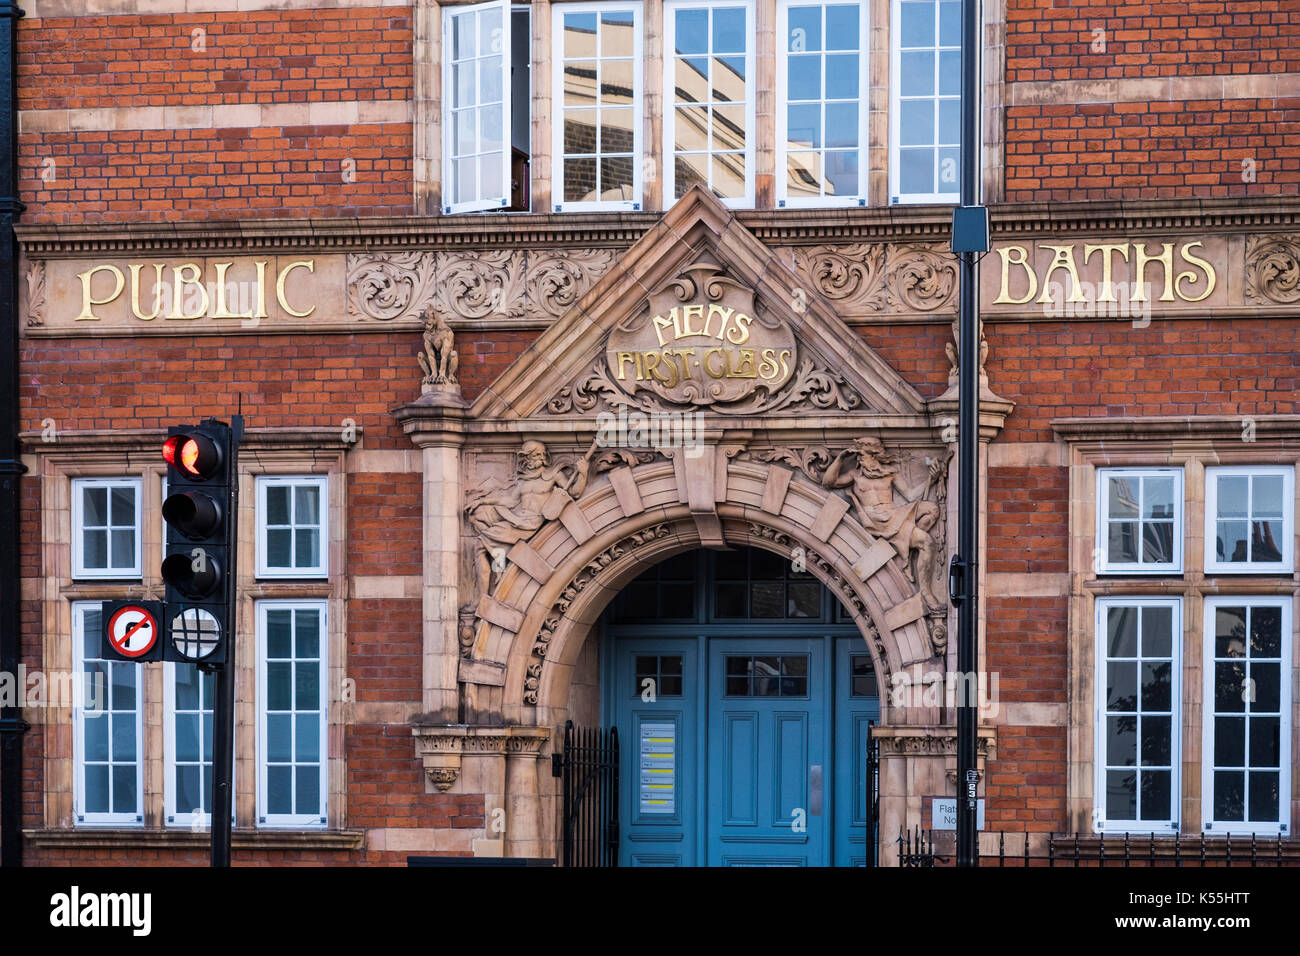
(763, 584)
(1139, 520)
(1137, 749)
(709, 99)
(292, 537)
(107, 741)
(1248, 519)
(821, 103)
(597, 114)
(658, 675)
(476, 87)
(106, 527)
(777, 675)
(188, 706)
(926, 101)
(292, 713)
(862, 681)
(1246, 785)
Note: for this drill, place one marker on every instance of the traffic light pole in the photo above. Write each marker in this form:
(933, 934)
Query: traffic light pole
(223, 705)
(968, 396)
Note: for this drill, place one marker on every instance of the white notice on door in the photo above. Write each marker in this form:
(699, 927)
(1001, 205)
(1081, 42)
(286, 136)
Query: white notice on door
(658, 768)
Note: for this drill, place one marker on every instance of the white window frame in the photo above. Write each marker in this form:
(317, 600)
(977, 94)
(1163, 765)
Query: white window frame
(109, 818)
(783, 200)
(174, 816)
(1210, 826)
(1103, 563)
(265, 482)
(1101, 824)
(449, 14)
(292, 820)
(898, 198)
(79, 569)
(1212, 564)
(668, 157)
(557, 107)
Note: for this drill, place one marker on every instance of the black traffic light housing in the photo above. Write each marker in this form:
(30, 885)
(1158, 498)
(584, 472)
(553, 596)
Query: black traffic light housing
(197, 563)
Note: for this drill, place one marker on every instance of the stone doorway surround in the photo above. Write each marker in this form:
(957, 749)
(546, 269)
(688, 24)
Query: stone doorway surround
(837, 462)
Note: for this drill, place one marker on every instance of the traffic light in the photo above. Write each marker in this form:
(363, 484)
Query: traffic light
(197, 562)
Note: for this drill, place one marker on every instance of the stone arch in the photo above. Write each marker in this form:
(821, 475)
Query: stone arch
(556, 584)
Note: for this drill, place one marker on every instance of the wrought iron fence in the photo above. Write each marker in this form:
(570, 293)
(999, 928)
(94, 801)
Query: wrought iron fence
(920, 848)
(588, 767)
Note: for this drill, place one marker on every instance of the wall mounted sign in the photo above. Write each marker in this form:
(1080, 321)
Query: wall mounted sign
(700, 341)
(658, 768)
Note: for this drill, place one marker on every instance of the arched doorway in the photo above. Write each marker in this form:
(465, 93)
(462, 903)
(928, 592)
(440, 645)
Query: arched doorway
(743, 694)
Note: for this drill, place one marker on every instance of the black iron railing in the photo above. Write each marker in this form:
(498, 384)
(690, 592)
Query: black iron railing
(925, 848)
(588, 769)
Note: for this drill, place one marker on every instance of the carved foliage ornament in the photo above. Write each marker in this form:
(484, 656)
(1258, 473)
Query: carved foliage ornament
(36, 294)
(809, 386)
(1273, 268)
(881, 277)
(511, 283)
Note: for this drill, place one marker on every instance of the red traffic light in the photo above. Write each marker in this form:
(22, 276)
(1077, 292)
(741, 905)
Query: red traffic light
(194, 455)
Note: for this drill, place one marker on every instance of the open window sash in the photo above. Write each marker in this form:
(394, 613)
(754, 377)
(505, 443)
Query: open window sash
(476, 121)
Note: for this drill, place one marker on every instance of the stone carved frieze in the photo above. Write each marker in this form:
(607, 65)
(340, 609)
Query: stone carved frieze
(893, 503)
(390, 285)
(577, 584)
(481, 284)
(557, 280)
(500, 516)
(510, 283)
(1273, 269)
(810, 386)
(36, 294)
(875, 277)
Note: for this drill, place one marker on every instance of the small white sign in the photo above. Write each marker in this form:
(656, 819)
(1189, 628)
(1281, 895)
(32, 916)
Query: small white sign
(943, 814)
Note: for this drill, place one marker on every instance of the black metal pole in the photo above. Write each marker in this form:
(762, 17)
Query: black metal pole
(223, 704)
(968, 447)
(12, 725)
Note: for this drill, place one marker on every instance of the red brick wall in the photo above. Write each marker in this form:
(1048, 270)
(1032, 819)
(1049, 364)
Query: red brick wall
(1053, 40)
(1152, 150)
(285, 57)
(259, 56)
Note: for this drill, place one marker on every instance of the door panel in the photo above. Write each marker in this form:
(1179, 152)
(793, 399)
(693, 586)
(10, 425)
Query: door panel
(655, 693)
(857, 708)
(765, 728)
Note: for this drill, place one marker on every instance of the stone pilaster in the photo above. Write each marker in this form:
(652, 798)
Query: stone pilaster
(916, 762)
(435, 424)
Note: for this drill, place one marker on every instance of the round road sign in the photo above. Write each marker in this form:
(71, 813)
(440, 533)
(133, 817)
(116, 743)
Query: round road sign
(132, 631)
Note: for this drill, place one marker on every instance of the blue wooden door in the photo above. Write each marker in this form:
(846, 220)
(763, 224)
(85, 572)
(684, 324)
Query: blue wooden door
(657, 693)
(857, 709)
(767, 752)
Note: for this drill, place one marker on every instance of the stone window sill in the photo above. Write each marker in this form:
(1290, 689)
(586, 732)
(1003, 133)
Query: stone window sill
(122, 837)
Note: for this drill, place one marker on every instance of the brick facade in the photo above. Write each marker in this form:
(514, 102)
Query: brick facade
(126, 124)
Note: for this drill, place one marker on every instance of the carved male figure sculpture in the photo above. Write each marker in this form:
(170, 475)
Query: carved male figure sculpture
(905, 525)
(502, 516)
(438, 358)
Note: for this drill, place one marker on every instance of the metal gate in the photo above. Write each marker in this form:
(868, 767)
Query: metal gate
(873, 798)
(588, 769)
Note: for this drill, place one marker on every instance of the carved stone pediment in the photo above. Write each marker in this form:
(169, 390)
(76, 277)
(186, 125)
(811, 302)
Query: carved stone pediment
(703, 341)
(699, 315)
